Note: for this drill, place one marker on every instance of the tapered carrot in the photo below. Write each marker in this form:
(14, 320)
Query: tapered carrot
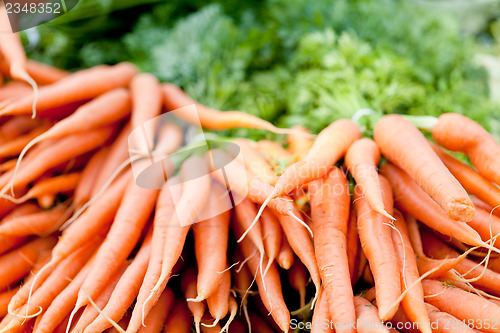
(478, 203)
(255, 162)
(367, 319)
(210, 243)
(321, 316)
(15, 146)
(164, 210)
(195, 192)
(12, 51)
(218, 303)
(271, 234)
(5, 297)
(486, 225)
(90, 312)
(413, 301)
(175, 98)
(12, 90)
(83, 190)
(285, 256)
(125, 291)
(376, 240)
(353, 246)
(275, 154)
(330, 202)
(299, 142)
(156, 318)
(462, 304)
(62, 305)
(404, 145)
(269, 285)
(179, 319)
(61, 151)
(442, 320)
(412, 200)
(16, 264)
(42, 223)
(188, 285)
(43, 73)
(362, 159)
(21, 210)
(17, 126)
(298, 278)
(130, 219)
(81, 86)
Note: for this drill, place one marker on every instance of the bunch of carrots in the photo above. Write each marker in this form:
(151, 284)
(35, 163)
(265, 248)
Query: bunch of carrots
(409, 239)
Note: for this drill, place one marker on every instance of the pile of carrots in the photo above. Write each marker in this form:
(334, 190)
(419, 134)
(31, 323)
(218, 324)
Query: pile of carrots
(354, 231)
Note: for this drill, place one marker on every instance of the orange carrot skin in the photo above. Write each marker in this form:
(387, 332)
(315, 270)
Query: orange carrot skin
(218, 303)
(5, 297)
(463, 305)
(298, 278)
(353, 246)
(412, 200)
(299, 142)
(321, 157)
(403, 144)
(188, 285)
(15, 146)
(472, 181)
(459, 133)
(88, 177)
(321, 316)
(271, 233)
(376, 240)
(155, 320)
(256, 162)
(413, 302)
(330, 202)
(486, 226)
(368, 320)
(179, 320)
(285, 257)
(44, 74)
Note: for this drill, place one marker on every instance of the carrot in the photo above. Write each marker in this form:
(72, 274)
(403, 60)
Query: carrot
(413, 301)
(299, 142)
(271, 234)
(367, 319)
(218, 303)
(302, 245)
(175, 98)
(210, 243)
(330, 200)
(15, 146)
(321, 319)
(353, 246)
(376, 240)
(403, 144)
(13, 53)
(17, 264)
(156, 318)
(62, 305)
(471, 309)
(298, 276)
(80, 86)
(147, 100)
(362, 159)
(459, 133)
(179, 320)
(472, 181)
(42, 223)
(412, 200)
(83, 190)
(17, 126)
(5, 297)
(125, 291)
(135, 208)
(188, 285)
(271, 294)
(195, 192)
(486, 225)
(164, 210)
(12, 90)
(255, 162)
(478, 203)
(59, 152)
(275, 154)
(44, 74)
(285, 256)
(442, 320)
(90, 313)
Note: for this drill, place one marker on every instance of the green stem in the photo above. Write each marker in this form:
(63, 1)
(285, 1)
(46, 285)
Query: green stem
(425, 123)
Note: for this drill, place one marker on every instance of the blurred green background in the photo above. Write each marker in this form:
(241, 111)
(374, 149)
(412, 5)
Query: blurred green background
(296, 61)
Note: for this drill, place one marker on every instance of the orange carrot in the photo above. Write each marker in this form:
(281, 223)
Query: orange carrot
(321, 319)
(164, 210)
(413, 301)
(330, 202)
(442, 320)
(461, 304)
(15, 146)
(285, 257)
(210, 243)
(403, 144)
(156, 318)
(271, 235)
(255, 162)
(472, 181)
(478, 203)
(42, 73)
(456, 132)
(274, 153)
(175, 98)
(17, 126)
(362, 159)
(12, 90)
(376, 240)
(299, 142)
(81, 86)
(188, 285)
(486, 225)
(88, 177)
(146, 99)
(17, 263)
(218, 303)
(412, 200)
(42, 223)
(298, 276)
(367, 319)
(5, 297)
(179, 320)
(125, 291)
(353, 246)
